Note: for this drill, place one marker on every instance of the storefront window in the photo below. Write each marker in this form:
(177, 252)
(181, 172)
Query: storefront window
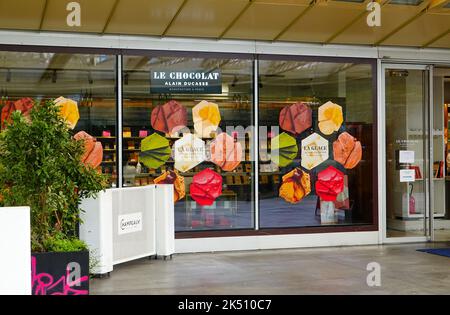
(186, 121)
(189, 121)
(87, 79)
(317, 153)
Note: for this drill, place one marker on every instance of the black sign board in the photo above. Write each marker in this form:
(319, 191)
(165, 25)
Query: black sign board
(185, 82)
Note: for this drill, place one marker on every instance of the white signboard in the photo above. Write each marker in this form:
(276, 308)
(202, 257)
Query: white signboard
(130, 223)
(407, 176)
(406, 156)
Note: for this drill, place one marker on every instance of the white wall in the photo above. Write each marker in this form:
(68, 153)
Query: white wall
(219, 46)
(217, 244)
(15, 249)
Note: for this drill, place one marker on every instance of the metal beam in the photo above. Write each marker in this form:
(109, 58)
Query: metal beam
(284, 67)
(254, 142)
(119, 109)
(58, 61)
(141, 63)
(296, 19)
(350, 24)
(344, 67)
(404, 24)
(44, 11)
(111, 14)
(436, 3)
(209, 65)
(249, 3)
(174, 18)
(435, 39)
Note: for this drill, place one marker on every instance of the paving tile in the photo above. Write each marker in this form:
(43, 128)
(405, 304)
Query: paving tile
(338, 270)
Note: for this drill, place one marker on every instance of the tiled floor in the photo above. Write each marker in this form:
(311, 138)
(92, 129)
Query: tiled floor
(300, 271)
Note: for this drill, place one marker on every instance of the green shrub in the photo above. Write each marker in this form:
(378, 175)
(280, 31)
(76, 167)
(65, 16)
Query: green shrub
(40, 167)
(61, 243)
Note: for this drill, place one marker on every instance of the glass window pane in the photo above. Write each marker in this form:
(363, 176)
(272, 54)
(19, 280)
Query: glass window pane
(316, 151)
(87, 79)
(406, 101)
(175, 119)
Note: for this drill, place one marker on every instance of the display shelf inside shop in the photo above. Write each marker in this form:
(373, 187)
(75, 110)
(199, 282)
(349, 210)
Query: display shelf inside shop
(171, 162)
(193, 173)
(220, 213)
(141, 138)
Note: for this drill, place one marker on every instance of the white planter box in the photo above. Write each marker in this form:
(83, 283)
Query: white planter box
(15, 249)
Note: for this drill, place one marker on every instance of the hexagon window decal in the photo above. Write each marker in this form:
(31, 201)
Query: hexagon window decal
(189, 151)
(330, 118)
(314, 151)
(206, 116)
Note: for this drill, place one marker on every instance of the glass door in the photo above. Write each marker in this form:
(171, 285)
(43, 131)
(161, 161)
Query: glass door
(441, 152)
(408, 153)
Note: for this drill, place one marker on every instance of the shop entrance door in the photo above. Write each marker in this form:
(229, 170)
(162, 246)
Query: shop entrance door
(441, 119)
(408, 153)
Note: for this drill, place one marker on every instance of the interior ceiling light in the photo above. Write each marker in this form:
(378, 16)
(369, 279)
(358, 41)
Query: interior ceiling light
(406, 2)
(100, 59)
(398, 73)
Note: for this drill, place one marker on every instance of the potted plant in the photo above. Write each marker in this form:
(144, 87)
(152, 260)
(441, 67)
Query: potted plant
(41, 167)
